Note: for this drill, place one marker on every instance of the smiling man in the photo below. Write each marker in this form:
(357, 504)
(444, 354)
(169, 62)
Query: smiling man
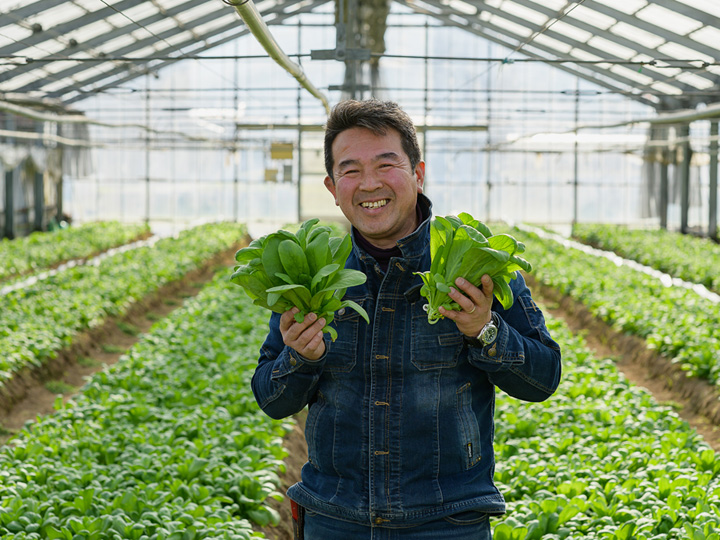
(400, 417)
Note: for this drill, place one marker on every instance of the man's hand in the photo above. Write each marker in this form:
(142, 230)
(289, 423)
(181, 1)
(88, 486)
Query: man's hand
(475, 305)
(305, 337)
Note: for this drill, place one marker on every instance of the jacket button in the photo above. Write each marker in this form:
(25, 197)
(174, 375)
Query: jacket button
(492, 352)
(341, 311)
(379, 521)
(293, 362)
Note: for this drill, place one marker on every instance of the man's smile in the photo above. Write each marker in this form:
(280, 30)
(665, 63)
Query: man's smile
(375, 204)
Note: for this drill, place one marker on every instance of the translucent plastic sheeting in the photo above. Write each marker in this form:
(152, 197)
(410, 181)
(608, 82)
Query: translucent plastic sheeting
(666, 279)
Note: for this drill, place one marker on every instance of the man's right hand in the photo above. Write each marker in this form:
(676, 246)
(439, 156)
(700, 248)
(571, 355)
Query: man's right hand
(306, 337)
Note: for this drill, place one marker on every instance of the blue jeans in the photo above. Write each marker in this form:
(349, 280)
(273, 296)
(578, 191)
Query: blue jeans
(465, 526)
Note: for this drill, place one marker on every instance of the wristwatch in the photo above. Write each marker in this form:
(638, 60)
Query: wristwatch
(489, 332)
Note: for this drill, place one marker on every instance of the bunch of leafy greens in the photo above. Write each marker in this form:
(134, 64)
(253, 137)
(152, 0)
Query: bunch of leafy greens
(464, 247)
(305, 270)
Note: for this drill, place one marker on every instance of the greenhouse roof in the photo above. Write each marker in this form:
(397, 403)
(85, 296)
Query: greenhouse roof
(663, 53)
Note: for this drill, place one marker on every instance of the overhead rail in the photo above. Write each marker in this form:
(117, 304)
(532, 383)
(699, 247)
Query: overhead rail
(678, 117)
(78, 119)
(252, 18)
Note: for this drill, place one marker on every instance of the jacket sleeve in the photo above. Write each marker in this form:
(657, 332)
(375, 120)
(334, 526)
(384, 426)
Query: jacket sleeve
(523, 361)
(284, 381)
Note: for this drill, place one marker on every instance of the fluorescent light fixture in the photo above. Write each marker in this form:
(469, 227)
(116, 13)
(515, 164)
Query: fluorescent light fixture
(462, 7)
(666, 89)
(625, 6)
(573, 32)
(684, 53)
(708, 36)
(526, 14)
(710, 6)
(556, 5)
(611, 48)
(514, 28)
(552, 43)
(638, 35)
(668, 19)
(631, 74)
(694, 80)
(590, 16)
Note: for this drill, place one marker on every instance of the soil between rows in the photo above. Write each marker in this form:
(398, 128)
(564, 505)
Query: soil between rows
(695, 401)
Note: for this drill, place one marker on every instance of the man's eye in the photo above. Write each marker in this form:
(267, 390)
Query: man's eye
(386, 165)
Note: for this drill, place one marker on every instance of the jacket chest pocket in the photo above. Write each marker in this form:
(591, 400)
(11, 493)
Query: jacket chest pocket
(434, 346)
(343, 352)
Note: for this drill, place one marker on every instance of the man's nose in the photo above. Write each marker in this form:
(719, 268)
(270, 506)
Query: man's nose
(369, 181)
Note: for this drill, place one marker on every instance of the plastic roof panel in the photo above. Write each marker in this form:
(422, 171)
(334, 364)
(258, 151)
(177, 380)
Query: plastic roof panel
(663, 53)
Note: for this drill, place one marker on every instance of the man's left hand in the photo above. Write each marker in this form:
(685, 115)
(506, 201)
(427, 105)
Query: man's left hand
(475, 303)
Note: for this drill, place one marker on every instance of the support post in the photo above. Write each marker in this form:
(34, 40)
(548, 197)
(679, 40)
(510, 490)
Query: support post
(664, 189)
(10, 203)
(59, 197)
(685, 179)
(38, 201)
(713, 199)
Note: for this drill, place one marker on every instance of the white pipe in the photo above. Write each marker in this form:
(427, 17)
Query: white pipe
(677, 117)
(254, 22)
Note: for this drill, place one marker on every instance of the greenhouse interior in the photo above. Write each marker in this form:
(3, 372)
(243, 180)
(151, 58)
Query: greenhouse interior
(548, 112)
(153, 151)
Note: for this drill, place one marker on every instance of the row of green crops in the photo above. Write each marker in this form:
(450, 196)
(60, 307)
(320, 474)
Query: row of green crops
(41, 250)
(166, 444)
(602, 460)
(675, 321)
(169, 443)
(38, 321)
(686, 257)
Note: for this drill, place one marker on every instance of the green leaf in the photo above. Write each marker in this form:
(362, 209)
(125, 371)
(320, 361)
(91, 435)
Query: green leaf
(357, 307)
(293, 260)
(345, 278)
(322, 273)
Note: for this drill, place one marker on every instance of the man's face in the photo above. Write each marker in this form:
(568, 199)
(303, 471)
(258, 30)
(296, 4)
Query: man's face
(375, 186)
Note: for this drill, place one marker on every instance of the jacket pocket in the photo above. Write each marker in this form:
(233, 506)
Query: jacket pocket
(468, 426)
(434, 346)
(311, 427)
(342, 353)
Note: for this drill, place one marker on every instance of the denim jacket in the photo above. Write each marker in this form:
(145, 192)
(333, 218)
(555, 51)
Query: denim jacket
(400, 420)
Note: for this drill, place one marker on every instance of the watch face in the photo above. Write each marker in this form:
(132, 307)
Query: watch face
(489, 334)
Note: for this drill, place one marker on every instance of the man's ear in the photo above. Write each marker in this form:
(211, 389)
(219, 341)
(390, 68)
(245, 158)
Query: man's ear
(330, 185)
(420, 176)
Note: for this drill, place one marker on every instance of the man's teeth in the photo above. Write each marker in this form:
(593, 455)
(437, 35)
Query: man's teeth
(376, 204)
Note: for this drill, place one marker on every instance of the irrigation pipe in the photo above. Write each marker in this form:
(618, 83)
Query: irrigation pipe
(252, 18)
(666, 279)
(677, 117)
(82, 119)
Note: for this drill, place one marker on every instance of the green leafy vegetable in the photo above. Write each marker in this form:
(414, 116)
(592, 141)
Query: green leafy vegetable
(464, 247)
(306, 270)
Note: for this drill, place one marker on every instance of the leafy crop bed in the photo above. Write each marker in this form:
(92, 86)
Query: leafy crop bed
(39, 320)
(677, 322)
(167, 444)
(41, 250)
(693, 259)
(601, 459)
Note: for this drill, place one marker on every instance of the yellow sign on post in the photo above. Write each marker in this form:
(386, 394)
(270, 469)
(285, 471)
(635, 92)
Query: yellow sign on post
(281, 150)
(271, 175)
